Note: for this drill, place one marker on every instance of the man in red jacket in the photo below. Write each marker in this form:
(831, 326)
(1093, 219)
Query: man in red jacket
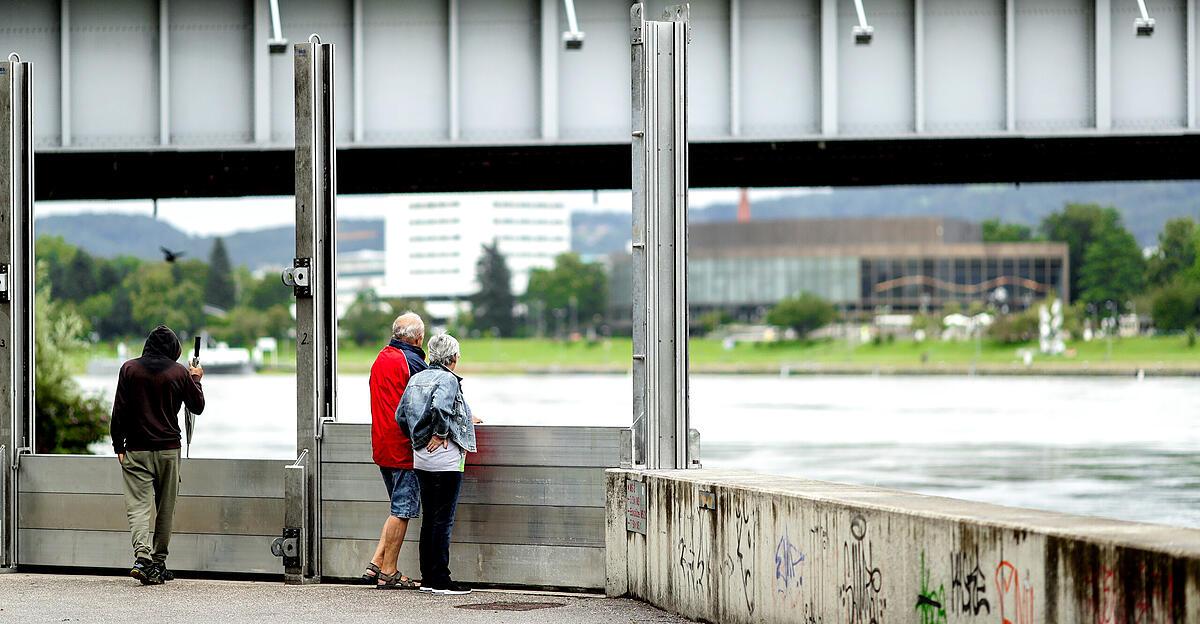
(391, 449)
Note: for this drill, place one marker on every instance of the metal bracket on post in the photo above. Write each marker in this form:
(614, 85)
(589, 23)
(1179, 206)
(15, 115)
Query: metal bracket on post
(299, 277)
(314, 278)
(660, 192)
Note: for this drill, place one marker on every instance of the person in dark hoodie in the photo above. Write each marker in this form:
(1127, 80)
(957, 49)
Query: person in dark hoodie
(146, 437)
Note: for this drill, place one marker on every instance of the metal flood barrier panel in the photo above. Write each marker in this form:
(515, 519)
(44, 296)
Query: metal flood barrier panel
(72, 513)
(531, 511)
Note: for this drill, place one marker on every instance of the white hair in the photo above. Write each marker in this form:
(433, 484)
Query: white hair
(443, 349)
(408, 327)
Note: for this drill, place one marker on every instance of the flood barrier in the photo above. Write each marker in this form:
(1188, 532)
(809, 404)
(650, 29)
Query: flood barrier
(531, 511)
(725, 546)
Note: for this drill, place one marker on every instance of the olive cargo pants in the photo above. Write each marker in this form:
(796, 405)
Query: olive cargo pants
(151, 485)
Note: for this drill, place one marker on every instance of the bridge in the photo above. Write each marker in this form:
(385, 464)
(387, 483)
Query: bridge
(153, 98)
(547, 506)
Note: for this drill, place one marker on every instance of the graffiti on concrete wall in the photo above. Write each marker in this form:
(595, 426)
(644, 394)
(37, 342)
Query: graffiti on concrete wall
(742, 562)
(695, 553)
(930, 601)
(862, 584)
(968, 585)
(1149, 601)
(788, 575)
(1015, 595)
(968, 597)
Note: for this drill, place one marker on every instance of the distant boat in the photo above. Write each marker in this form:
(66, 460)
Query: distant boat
(219, 360)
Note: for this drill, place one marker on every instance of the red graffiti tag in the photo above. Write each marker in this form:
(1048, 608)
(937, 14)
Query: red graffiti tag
(1016, 597)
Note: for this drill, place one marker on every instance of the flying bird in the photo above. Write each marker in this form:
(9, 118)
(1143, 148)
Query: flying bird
(171, 256)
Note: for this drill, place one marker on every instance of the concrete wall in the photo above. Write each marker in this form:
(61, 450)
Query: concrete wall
(775, 549)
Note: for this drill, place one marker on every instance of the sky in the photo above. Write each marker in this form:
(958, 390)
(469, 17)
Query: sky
(220, 217)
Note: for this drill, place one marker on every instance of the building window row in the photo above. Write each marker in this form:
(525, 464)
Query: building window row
(530, 254)
(433, 271)
(511, 221)
(509, 204)
(433, 204)
(532, 238)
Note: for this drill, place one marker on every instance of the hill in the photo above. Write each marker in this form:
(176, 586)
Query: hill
(1145, 206)
(109, 235)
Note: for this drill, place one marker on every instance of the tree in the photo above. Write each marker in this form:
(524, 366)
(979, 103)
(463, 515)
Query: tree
(1113, 268)
(492, 306)
(1015, 328)
(1079, 225)
(55, 253)
(1176, 251)
(156, 297)
(368, 320)
(243, 326)
(1176, 306)
(79, 278)
(67, 420)
(804, 313)
(219, 289)
(996, 231)
(266, 292)
(571, 283)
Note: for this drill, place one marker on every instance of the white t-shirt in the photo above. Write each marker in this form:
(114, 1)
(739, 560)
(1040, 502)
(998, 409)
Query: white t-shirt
(450, 458)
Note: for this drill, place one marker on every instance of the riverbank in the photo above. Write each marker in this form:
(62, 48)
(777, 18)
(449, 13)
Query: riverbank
(1152, 356)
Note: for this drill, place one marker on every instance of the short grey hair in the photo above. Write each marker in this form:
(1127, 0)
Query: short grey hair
(443, 349)
(408, 327)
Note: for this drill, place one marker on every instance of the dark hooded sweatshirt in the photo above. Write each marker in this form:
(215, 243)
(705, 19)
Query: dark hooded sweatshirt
(150, 390)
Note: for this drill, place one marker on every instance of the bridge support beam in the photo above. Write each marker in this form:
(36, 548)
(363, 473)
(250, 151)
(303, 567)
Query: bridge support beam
(16, 290)
(313, 281)
(660, 188)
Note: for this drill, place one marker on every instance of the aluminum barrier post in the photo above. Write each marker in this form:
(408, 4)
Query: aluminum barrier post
(312, 277)
(16, 286)
(295, 522)
(660, 187)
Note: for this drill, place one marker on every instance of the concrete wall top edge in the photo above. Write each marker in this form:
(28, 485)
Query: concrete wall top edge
(1177, 541)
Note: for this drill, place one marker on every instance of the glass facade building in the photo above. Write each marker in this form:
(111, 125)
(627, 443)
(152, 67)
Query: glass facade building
(901, 265)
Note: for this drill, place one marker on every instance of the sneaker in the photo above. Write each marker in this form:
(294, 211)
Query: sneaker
(452, 589)
(166, 574)
(426, 588)
(146, 571)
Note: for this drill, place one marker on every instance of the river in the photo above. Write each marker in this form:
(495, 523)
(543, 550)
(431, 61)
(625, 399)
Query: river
(1114, 447)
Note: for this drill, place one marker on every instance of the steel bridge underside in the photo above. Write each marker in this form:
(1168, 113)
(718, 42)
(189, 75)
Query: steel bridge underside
(73, 174)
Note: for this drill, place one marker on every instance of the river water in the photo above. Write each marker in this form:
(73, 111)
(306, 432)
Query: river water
(1114, 447)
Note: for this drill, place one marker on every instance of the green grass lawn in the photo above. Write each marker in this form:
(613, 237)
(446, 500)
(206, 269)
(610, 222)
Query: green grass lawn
(491, 355)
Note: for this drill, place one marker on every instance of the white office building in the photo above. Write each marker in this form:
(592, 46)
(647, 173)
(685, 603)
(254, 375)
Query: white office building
(433, 242)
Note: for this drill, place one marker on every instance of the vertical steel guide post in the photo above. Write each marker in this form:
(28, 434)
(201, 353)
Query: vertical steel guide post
(312, 277)
(16, 290)
(660, 185)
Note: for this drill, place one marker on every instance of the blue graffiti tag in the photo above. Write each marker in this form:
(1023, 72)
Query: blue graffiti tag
(787, 565)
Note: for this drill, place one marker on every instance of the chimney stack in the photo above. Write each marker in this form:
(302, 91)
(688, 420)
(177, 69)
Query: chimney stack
(743, 214)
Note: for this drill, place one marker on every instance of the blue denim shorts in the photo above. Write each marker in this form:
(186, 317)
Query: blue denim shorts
(404, 491)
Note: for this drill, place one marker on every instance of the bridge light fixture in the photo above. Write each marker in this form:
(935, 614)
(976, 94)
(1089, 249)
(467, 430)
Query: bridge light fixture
(573, 37)
(1143, 26)
(863, 33)
(276, 44)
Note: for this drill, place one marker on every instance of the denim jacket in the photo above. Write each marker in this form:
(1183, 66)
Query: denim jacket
(432, 405)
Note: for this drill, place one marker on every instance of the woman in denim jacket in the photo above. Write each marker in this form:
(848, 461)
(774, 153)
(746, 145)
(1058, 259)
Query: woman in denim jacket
(438, 421)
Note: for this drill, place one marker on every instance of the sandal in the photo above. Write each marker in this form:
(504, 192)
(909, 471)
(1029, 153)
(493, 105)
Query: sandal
(371, 576)
(396, 581)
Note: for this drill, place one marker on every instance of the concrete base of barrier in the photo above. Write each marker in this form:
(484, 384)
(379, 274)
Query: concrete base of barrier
(725, 546)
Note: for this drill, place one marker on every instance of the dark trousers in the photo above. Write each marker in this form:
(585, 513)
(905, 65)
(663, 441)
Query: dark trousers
(439, 501)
